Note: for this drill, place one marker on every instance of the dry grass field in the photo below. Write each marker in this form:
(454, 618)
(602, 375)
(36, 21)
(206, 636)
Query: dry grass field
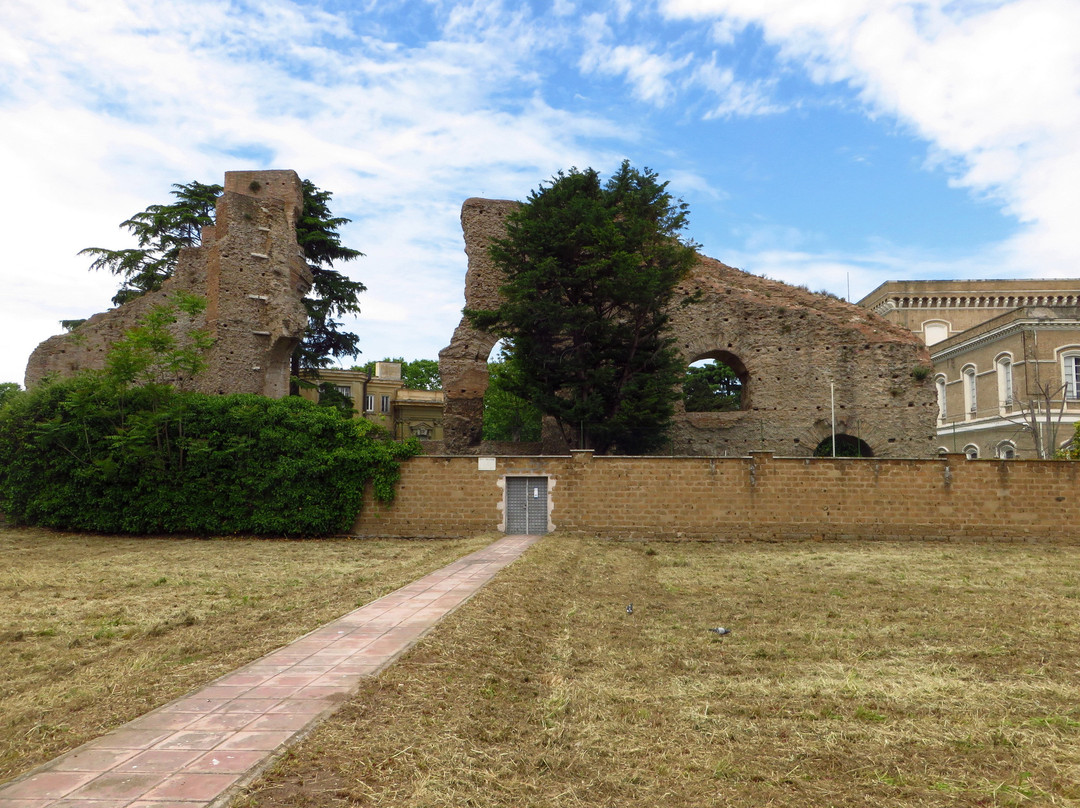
(888, 674)
(883, 674)
(96, 630)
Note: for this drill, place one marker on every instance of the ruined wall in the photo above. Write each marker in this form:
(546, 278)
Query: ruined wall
(794, 349)
(251, 272)
(756, 498)
(463, 363)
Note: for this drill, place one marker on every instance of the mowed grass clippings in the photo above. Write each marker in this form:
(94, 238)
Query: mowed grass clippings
(884, 674)
(97, 630)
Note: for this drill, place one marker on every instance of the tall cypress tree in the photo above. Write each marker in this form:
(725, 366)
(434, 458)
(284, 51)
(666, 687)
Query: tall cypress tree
(590, 269)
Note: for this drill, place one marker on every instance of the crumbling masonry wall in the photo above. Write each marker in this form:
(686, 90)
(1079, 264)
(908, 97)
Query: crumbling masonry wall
(252, 273)
(796, 351)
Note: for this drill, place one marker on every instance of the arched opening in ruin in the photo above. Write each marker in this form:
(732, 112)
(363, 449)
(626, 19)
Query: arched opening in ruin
(507, 417)
(716, 382)
(846, 446)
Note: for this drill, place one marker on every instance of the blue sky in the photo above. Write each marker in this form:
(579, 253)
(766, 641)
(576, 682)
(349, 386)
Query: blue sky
(828, 143)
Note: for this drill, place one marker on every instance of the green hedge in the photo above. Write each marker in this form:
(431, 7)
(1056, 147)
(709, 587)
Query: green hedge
(82, 454)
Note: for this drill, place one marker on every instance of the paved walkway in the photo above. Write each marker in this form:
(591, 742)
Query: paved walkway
(197, 749)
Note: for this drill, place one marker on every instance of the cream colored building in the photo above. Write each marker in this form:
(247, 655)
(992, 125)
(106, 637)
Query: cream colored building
(383, 400)
(1006, 357)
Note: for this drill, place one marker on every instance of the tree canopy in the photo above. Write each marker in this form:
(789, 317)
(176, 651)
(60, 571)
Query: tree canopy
(508, 417)
(8, 390)
(162, 231)
(590, 268)
(711, 387)
(333, 294)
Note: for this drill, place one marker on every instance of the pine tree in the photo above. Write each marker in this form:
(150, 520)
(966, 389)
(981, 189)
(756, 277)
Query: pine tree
(162, 231)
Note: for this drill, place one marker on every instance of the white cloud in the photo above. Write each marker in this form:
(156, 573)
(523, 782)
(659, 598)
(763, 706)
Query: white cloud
(126, 98)
(857, 273)
(649, 74)
(659, 73)
(994, 88)
(734, 97)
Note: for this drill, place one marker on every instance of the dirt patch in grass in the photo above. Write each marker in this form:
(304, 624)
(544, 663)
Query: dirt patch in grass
(97, 630)
(889, 674)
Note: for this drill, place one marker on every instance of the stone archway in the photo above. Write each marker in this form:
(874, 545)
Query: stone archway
(727, 389)
(846, 446)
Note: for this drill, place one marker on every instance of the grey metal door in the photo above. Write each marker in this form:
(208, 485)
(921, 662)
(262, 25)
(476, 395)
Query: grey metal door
(526, 505)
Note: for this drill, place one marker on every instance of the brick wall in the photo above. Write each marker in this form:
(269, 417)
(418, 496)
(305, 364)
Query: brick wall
(760, 497)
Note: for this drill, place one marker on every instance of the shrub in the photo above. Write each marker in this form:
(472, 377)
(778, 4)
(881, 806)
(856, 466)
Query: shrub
(87, 454)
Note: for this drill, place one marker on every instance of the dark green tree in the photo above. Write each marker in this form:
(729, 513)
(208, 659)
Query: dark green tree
(333, 294)
(419, 374)
(712, 387)
(508, 417)
(590, 268)
(846, 446)
(331, 396)
(8, 390)
(162, 231)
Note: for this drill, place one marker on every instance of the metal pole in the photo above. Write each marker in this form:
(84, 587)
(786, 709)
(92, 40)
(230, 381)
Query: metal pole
(832, 403)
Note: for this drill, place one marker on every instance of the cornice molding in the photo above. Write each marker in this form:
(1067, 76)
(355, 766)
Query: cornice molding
(967, 300)
(1016, 326)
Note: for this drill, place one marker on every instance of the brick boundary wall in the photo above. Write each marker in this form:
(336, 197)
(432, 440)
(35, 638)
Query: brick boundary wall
(761, 497)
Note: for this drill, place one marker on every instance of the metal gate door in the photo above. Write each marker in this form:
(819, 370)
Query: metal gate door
(526, 505)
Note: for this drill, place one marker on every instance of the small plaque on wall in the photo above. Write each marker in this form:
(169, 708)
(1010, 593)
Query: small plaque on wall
(486, 463)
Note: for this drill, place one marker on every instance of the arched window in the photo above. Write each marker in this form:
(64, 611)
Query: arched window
(1070, 374)
(1003, 365)
(942, 409)
(1006, 450)
(972, 451)
(716, 382)
(971, 403)
(506, 417)
(846, 446)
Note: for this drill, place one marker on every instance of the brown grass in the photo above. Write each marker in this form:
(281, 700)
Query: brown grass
(886, 674)
(96, 630)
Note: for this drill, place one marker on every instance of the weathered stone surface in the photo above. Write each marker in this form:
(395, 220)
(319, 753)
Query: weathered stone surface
(795, 350)
(463, 363)
(252, 274)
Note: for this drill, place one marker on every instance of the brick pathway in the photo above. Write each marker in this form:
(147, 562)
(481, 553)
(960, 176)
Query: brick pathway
(197, 749)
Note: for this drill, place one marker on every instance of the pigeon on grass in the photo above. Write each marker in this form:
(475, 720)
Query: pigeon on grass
(630, 608)
(720, 631)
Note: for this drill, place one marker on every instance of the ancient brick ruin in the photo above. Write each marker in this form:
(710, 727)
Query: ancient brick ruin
(253, 276)
(796, 352)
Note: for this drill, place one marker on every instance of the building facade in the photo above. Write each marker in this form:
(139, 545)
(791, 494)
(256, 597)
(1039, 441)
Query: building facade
(1006, 357)
(383, 399)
